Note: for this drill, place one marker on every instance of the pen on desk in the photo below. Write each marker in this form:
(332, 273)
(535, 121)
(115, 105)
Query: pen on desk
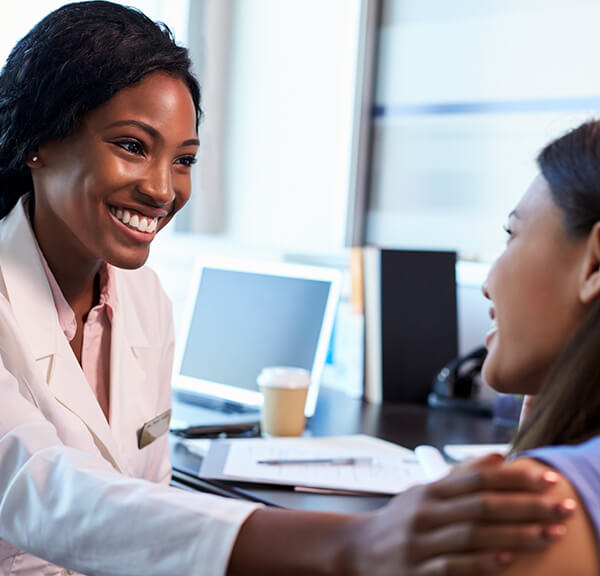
(223, 431)
(308, 461)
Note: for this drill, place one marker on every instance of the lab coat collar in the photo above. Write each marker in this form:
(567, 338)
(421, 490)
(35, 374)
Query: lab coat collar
(26, 285)
(31, 300)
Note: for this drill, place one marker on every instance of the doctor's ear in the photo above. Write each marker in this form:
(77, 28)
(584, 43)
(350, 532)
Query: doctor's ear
(33, 160)
(589, 288)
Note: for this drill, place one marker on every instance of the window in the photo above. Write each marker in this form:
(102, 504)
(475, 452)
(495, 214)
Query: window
(467, 93)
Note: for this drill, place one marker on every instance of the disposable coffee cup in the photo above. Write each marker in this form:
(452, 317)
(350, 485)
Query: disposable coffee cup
(284, 392)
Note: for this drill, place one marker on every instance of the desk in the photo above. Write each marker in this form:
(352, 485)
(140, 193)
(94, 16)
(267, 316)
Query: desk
(336, 414)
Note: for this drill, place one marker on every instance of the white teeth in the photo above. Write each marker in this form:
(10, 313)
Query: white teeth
(141, 223)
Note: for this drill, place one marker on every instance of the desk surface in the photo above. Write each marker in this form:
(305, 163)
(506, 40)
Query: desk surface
(336, 414)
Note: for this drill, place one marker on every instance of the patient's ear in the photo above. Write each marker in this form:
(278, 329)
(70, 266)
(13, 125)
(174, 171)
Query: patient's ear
(589, 288)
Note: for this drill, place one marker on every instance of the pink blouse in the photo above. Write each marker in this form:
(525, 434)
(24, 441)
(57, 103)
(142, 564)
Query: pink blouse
(95, 353)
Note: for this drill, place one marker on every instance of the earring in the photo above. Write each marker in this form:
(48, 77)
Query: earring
(34, 158)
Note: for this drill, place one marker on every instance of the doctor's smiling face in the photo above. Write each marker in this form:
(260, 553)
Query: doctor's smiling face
(534, 289)
(104, 191)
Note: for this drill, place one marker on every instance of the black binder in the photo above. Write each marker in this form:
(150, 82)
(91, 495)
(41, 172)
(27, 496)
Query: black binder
(411, 321)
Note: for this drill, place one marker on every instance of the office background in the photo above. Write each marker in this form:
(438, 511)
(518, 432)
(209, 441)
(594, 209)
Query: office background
(400, 123)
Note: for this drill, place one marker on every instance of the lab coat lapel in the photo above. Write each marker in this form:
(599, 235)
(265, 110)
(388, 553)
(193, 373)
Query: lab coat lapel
(70, 387)
(129, 347)
(32, 303)
(26, 285)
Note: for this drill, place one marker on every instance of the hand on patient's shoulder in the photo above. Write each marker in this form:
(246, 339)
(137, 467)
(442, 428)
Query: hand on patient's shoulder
(474, 521)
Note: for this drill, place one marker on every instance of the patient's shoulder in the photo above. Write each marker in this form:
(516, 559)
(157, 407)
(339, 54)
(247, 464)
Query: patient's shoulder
(576, 553)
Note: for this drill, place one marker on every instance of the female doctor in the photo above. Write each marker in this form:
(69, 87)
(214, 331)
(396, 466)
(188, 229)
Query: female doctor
(98, 133)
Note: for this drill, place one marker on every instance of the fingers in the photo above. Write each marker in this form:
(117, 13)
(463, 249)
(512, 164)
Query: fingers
(485, 476)
(471, 565)
(493, 507)
(462, 538)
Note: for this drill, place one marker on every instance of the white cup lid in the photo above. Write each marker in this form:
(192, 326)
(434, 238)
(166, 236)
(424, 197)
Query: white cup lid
(283, 377)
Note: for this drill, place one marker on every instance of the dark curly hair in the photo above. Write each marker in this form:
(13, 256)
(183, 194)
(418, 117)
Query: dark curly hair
(71, 62)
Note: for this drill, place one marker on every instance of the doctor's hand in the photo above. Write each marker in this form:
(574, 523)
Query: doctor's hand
(470, 522)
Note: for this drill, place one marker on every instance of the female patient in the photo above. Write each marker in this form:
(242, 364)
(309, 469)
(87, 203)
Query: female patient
(98, 131)
(545, 293)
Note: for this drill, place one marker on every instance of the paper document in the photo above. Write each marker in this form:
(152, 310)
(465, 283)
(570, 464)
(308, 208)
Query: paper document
(376, 466)
(432, 463)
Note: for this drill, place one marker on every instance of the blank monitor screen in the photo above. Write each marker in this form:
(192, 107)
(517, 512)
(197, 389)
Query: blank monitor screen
(245, 319)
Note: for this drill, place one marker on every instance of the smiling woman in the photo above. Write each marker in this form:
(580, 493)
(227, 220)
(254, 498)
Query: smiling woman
(532, 322)
(98, 130)
(545, 294)
(105, 190)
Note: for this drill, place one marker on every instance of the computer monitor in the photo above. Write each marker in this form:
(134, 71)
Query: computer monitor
(243, 315)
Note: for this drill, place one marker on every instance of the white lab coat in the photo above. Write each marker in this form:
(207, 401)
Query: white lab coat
(70, 488)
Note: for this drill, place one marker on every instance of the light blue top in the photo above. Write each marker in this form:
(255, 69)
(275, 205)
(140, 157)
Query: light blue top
(580, 465)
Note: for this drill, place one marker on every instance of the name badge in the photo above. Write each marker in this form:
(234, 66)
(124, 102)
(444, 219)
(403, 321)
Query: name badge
(153, 429)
